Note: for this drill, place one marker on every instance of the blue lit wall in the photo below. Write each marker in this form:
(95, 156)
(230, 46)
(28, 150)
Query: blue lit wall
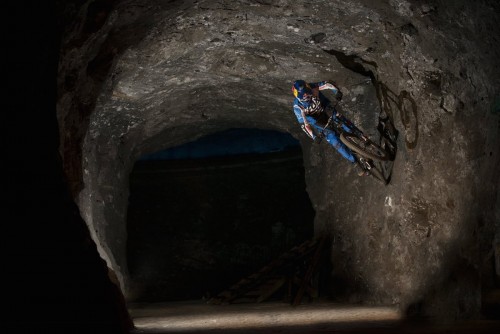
(230, 142)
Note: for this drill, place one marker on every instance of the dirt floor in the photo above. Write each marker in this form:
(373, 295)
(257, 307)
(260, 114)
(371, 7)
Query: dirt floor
(196, 317)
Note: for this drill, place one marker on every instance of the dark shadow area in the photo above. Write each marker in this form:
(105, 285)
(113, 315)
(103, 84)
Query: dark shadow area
(232, 142)
(198, 224)
(55, 280)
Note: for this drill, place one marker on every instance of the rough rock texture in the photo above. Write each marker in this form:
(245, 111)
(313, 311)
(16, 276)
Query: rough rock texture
(139, 76)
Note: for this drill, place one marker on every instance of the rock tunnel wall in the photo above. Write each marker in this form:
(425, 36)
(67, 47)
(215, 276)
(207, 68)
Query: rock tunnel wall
(144, 76)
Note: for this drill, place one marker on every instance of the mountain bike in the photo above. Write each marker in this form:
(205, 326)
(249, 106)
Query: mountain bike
(365, 150)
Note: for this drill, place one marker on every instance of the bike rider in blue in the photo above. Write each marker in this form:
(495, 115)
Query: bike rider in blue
(310, 107)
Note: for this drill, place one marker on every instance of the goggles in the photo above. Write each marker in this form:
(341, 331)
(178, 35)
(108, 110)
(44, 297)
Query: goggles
(305, 92)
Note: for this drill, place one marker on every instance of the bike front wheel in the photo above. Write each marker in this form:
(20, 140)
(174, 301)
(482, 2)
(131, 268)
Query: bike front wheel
(366, 148)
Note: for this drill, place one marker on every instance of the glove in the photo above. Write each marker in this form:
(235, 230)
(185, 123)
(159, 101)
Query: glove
(330, 84)
(339, 95)
(303, 127)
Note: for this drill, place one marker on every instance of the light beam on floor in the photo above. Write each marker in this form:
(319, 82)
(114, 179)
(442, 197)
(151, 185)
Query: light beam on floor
(171, 318)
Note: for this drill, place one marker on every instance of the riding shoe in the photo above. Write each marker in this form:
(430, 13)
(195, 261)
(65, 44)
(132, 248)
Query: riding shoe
(363, 172)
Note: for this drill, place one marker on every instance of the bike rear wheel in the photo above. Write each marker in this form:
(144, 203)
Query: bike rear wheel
(366, 148)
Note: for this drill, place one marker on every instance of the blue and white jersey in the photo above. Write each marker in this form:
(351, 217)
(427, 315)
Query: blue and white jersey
(316, 104)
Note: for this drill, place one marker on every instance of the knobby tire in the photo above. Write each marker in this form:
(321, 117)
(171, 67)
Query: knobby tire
(367, 148)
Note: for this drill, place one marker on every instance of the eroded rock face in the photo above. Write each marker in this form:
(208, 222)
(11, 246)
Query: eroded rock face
(155, 74)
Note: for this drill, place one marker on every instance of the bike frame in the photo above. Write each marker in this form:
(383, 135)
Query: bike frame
(339, 123)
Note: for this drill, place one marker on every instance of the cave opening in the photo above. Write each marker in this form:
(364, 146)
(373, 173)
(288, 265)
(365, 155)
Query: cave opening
(205, 214)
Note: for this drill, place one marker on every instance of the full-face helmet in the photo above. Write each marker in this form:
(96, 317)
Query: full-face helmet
(302, 90)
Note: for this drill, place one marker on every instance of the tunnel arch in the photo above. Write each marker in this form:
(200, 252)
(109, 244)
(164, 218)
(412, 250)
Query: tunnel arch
(130, 121)
(108, 222)
(241, 80)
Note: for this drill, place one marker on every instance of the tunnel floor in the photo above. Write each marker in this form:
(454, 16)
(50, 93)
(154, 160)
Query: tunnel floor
(275, 317)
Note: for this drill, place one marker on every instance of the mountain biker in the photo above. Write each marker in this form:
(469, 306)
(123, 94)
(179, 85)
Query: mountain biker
(310, 107)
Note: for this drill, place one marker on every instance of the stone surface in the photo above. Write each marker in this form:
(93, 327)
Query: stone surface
(146, 75)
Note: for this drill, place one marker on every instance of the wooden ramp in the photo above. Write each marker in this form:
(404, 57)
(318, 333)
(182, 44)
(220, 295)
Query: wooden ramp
(293, 272)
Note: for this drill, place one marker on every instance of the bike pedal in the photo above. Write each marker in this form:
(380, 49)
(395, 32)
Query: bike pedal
(364, 167)
(365, 164)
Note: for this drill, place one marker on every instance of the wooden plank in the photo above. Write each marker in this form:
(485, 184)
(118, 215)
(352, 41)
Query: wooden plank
(310, 271)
